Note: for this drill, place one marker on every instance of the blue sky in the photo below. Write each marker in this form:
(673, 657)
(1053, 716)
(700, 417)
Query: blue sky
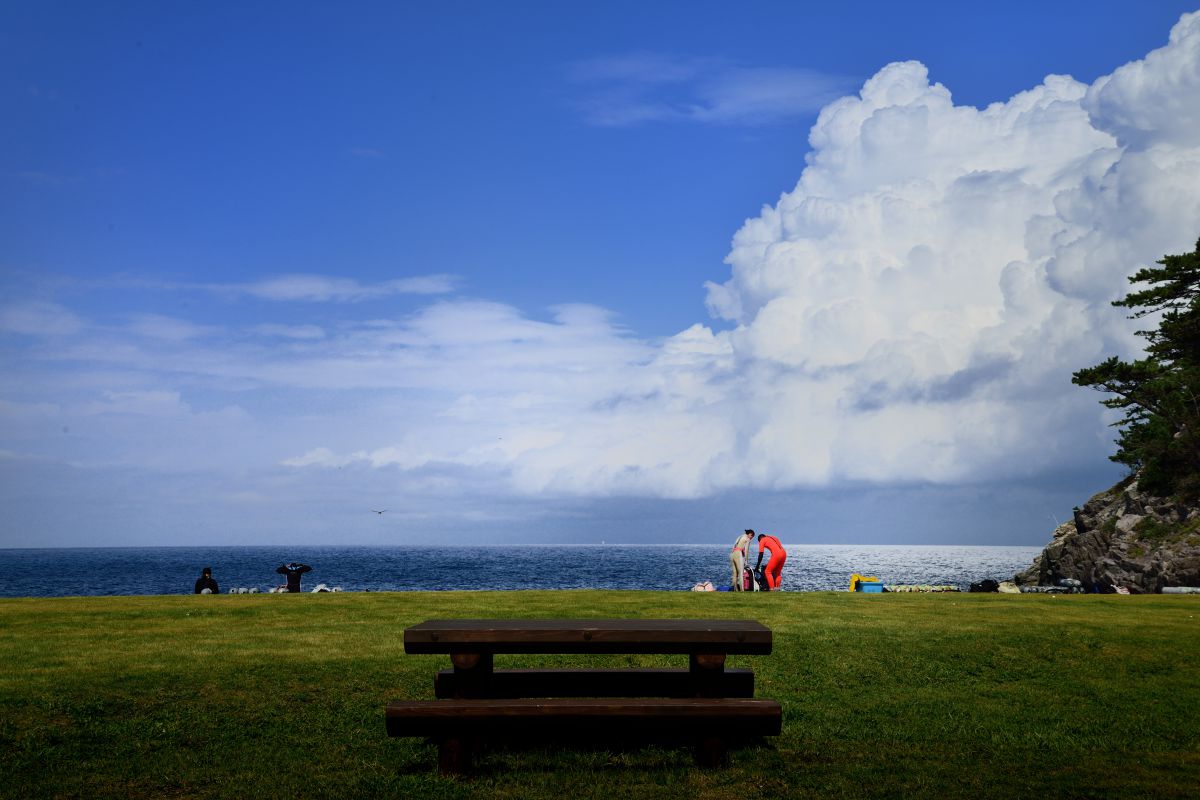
(572, 272)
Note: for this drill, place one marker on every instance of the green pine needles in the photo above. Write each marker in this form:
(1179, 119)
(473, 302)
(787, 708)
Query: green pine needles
(1160, 394)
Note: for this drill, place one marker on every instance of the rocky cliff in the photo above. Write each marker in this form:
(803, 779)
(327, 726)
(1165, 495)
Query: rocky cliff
(1123, 537)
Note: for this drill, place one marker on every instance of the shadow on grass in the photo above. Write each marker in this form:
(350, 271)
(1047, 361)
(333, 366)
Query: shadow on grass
(583, 753)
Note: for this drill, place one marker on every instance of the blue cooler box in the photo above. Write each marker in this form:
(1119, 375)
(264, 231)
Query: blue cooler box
(870, 587)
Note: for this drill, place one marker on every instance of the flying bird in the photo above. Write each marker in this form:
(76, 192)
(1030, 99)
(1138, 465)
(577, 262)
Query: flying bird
(379, 512)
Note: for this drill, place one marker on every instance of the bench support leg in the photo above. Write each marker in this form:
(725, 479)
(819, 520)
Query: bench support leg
(454, 755)
(710, 751)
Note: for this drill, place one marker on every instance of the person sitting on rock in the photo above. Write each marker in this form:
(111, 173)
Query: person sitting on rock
(205, 583)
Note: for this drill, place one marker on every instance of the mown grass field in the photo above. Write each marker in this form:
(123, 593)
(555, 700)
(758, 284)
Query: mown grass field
(250, 696)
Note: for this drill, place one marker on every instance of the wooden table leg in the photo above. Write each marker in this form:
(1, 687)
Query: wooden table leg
(454, 755)
(473, 672)
(710, 751)
(706, 671)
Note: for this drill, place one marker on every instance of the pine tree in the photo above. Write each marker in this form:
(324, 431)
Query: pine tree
(1160, 394)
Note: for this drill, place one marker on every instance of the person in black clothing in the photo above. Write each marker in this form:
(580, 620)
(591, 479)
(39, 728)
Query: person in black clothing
(205, 581)
(293, 571)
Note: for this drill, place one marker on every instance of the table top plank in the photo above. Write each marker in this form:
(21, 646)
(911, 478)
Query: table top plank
(667, 636)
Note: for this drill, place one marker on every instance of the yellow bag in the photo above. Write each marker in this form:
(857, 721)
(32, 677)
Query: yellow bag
(856, 579)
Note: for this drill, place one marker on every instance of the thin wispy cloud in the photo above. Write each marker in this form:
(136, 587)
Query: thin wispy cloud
(297, 287)
(42, 179)
(303, 332)
(647, 69)
(38, 318)
(159, 326)
(324, 288)
(651, 87)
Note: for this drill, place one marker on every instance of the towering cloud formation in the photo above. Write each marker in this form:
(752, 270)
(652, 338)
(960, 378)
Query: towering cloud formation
(914, 308)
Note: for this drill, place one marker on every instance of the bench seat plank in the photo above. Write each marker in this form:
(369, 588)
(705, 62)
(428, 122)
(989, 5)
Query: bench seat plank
(438, 718)
(461, 727)
(627, 682)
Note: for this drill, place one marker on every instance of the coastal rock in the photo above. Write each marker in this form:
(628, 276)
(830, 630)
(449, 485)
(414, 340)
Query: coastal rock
(1123, 537)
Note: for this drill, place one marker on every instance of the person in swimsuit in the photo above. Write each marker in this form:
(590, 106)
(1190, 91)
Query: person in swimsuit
(293, 571)
(737, 559)
(774, 571)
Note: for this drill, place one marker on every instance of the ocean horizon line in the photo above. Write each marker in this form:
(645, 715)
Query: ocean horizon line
(496, 545)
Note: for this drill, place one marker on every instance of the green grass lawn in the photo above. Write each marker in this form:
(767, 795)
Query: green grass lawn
(250, 696)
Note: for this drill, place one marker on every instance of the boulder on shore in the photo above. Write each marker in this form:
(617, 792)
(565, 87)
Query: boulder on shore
(1123, 537)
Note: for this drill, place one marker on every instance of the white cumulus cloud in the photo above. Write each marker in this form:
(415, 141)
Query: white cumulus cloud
(911, 311)
(914, 308)
(921, 297)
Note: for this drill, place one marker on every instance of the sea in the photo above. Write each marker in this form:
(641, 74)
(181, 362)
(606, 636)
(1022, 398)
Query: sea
(174, 570)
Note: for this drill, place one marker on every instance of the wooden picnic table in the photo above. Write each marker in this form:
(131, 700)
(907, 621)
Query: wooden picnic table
(706, 702)
(472, 643)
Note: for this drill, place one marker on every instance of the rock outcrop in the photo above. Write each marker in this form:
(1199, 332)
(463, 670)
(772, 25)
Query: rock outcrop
(1123, 537)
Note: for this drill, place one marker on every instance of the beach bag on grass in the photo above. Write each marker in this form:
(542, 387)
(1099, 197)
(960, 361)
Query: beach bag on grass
(749, 584)
(760, 581)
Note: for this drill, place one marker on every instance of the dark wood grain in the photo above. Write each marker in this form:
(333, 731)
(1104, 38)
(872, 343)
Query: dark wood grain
(667, 636)
(588, 715)
(631, 682)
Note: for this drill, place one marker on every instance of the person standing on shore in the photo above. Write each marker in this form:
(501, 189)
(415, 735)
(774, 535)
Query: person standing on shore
(774, 571)
(205, 583)
(293, 571)
(737, 560)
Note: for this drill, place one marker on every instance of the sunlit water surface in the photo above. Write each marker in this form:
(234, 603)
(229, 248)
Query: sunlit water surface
(173, 570)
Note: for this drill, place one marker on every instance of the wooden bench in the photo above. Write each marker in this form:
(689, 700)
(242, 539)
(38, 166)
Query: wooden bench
(704, 705)
(706, 723)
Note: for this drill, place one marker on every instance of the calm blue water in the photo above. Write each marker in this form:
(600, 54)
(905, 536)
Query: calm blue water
(173, 570)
